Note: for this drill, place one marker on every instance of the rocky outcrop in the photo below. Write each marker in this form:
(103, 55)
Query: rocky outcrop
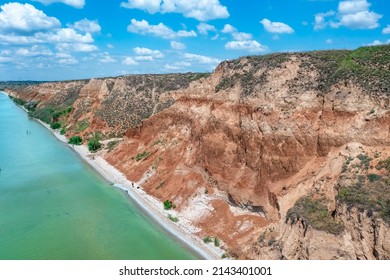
(237, 149)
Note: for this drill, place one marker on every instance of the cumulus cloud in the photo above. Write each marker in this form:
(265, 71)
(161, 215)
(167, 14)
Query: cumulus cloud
(204, 28)
(276, 27)
(386, 30)
(34, 51)
(201, 58)
(378, 43)
(201, 10)
(76, 47)
(160, 30)
(74, 3)
(249, 45)
(68, 61)
(106, 58)
(353, 14)
(145, 54)
(177, 45)
(129, 61)
(25, 18)
(86, 25)
(238, 36)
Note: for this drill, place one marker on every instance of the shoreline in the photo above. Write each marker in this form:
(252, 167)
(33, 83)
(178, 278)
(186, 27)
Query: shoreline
(183, 230)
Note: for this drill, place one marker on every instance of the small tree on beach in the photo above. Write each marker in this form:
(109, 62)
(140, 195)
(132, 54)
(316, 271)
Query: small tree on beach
(93, 142)
(75, 140)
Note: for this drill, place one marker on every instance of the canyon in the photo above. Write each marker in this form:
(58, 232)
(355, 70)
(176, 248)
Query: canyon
(281, 156)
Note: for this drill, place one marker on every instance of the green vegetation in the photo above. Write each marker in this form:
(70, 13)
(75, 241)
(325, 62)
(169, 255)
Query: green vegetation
(50, 115)
(172, 218)
(373, 177)
(17, 101)
(55, 125)
(168, 205)
(94, 142)
(62, 131)
(384, 164)
(112, 144)
(75, 140)
(207, 239)
(217, 242)
(315, 214)
(81, 125)
(142, 156)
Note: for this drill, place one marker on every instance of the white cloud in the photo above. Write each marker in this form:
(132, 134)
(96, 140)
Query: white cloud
(329, 41)
(177, 45)
(106, 58)
(320, 20)
(160, 30)
(353, 14)
(251, 46)
(74, 3)
(110, 46)
(76, 47)
(201, 10)
(238, 36)
(145, 54)
(168, 67)
(129, 61)
(378, 43)
(86, 25)
(229, 29)
(241, 36)
(201, 58)
(68, 61)
(24, 18)
(204, 28)
(34, 51)
(276, 27)
(386, 30)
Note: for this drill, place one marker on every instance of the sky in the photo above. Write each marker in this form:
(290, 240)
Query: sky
(76, 39)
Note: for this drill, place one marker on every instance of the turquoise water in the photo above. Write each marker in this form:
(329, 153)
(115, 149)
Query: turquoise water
(54, 206)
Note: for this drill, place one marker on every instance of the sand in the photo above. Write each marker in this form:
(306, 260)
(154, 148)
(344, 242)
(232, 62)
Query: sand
(183, 230)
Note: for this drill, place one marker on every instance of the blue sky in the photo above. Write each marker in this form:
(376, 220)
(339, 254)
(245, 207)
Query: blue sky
(76, 39)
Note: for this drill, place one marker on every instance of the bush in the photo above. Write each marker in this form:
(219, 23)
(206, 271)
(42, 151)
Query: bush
(75, 140)
(172, 218)
(315, 213)
(373, 177)
(207, 239)
(93, 143)
(62, 131)
(55, 125)
(142, 156)
(217, 242)
(168, 204)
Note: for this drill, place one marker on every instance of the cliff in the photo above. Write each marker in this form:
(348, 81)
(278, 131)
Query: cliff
(280, 156)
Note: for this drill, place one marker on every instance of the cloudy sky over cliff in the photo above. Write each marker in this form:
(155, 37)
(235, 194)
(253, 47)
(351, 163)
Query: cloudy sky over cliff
(74, 39)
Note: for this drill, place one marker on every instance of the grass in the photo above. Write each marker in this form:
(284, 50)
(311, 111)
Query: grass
(112, 144)
(315, 214)
(142, 156)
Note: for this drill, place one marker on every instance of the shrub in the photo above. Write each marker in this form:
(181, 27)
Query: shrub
(75, 140)
(168, 204)
(94, 143)
(62, 131)
(111, 145)
(217, 242)
(142, 156)
(315, 213)
(172, 218)
(55, 125)
(373, 177)
(207, 239)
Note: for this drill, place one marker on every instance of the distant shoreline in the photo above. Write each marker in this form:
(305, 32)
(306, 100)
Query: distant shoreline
(183, 231)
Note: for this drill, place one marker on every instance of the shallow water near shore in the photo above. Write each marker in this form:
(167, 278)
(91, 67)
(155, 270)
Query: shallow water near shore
(54, 206)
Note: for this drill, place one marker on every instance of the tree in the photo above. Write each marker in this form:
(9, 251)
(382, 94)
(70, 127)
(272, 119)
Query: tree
(93, 142)
(75, 140)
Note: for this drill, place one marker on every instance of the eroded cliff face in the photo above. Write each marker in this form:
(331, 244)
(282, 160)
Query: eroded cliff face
(236, 150)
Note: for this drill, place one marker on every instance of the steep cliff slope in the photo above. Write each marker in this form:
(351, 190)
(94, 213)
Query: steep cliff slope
(279, 156)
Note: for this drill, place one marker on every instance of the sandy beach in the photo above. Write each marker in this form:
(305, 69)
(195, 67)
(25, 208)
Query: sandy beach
(183, 230)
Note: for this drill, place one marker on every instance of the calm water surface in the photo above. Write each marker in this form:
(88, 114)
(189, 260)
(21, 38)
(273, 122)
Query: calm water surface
(54, 206)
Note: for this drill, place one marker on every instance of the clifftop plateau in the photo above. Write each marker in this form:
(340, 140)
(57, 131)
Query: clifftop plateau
(282, 156)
